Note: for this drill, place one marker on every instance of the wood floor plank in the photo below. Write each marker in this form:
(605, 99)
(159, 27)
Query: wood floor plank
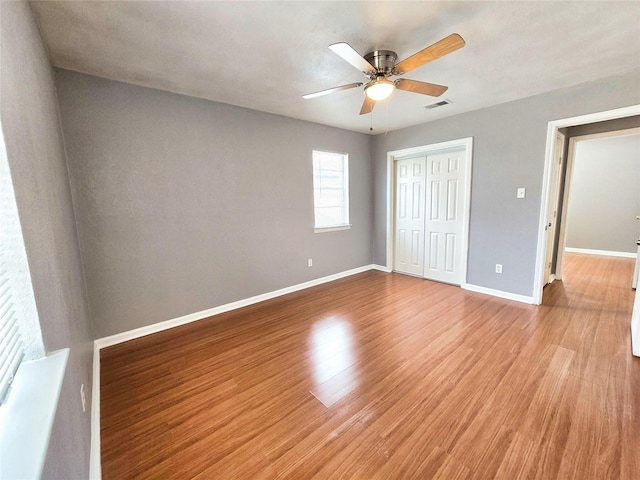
(583, 442)
(306, 459)
(547, 398)
(552, 442)
(414, 459)
(518, 459)
(380, 376)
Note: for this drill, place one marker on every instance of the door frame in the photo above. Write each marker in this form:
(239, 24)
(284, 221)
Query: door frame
(552, 129)
(556, 181)
(573, 141)
(465, 144)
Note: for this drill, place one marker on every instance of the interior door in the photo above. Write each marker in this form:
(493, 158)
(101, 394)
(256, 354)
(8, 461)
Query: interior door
(409, 216)
(552, 212)
(445, 216)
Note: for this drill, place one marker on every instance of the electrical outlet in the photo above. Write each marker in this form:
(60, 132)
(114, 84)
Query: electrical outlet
(498, 268)
(521, 192)
(310, 262)
(84, 404)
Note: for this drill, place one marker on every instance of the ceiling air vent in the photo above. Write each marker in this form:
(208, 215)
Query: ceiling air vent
(438, 104)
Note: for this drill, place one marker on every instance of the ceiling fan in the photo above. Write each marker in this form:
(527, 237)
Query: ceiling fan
(379, 65)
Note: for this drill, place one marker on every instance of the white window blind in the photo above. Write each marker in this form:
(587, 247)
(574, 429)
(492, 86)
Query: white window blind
(20, 335)
(11, 348)
(330, 189)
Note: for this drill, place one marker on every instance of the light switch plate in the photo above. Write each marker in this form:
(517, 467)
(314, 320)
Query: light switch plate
(521, 192)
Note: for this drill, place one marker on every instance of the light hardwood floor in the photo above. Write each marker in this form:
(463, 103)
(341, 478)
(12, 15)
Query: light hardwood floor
(385, 376)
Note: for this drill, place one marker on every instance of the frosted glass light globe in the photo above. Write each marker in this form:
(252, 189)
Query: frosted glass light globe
(379, 89)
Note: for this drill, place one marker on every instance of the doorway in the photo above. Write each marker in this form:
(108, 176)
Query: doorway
(544, 242)
(615, 202)
(428, 204)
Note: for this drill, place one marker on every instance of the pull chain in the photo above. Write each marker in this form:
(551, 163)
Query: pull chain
(387, 119)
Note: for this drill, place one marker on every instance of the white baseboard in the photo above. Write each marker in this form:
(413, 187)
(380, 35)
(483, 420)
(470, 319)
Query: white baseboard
(382, 268)
(607, 253)
(499, 293)
(635, 326)
(192, 317)
(95, 467)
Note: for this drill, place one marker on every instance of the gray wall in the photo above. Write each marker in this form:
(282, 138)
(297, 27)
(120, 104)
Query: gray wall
(185, 204)
(35, 151)
(509, 152)
(604, 198)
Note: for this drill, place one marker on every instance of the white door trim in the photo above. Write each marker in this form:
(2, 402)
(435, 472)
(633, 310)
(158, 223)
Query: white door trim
(462, 143)
(552, 129)
(552, 220)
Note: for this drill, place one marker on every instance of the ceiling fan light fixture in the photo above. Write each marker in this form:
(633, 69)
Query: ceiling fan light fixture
(379, 65)
(379, 89)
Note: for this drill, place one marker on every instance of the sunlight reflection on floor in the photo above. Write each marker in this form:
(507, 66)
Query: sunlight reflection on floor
(332, 348)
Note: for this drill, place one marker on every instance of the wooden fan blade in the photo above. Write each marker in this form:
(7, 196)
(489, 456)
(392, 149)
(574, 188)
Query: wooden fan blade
(331, 90)
(420, 87)
(439, 49)
(354, 58)
(367, 106)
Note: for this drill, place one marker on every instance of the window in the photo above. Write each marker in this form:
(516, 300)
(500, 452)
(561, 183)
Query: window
(331, 190)
(20, 336)
(11, 349)
(30, 382)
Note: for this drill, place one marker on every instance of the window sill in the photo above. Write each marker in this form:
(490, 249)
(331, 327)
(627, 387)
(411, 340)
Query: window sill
(27, 417)
(331, 229)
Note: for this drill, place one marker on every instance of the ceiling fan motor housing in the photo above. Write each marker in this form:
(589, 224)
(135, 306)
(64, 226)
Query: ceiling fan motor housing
(383, 60)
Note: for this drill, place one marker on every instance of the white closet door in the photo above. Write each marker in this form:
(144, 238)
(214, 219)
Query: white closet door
(410, 216)
(444, 217)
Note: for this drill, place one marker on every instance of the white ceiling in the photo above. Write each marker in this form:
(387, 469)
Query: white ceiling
(266, 55)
